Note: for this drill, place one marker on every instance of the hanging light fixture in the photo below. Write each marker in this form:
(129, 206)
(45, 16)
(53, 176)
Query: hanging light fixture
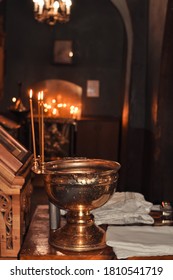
(52, 11)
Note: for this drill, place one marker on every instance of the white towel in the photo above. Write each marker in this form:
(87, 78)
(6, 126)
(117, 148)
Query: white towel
(130, 241)
(124, 208)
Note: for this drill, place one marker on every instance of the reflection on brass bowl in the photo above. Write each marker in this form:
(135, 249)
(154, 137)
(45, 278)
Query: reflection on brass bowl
(80, 185)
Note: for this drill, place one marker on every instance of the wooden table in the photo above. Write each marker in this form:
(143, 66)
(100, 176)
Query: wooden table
(36, 245)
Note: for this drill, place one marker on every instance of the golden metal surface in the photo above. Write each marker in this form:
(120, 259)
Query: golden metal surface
(79, 185)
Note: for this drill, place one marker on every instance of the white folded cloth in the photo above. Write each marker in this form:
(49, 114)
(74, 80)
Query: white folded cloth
(124, 208)
(156, 207)
(130, 241)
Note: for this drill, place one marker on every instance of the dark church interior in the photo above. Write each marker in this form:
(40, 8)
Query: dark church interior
(120, 76)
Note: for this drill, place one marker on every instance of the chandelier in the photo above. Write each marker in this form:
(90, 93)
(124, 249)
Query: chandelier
(52, 11)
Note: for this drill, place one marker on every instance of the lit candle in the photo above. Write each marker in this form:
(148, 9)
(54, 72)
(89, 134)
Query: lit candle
(39, 122)
(55, 7)
(46, 4)
(32, 123)
(63, 5)
(42, 126)
(68, 6)
(35, 5)
(41, 4)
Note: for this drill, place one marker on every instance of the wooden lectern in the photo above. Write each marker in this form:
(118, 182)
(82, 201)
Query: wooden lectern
(15, 193)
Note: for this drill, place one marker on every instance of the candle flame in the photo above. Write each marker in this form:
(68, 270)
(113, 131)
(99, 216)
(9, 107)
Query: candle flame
(14, 99)
(39, 96)
(30, 93)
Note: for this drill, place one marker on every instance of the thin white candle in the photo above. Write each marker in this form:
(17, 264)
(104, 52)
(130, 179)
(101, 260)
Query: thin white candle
(41, 5)
(32, 123)
(42, 125)
(39, 122)
(55, 7)
(46, 3)
(35, 5)
(68, 6)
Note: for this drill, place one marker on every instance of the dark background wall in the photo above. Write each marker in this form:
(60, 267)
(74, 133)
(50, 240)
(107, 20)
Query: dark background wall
(97, 32)
(133, 139)
(159, 114)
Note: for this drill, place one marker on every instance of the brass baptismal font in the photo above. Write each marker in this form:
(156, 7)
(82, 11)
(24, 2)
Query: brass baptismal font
(77, 186)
